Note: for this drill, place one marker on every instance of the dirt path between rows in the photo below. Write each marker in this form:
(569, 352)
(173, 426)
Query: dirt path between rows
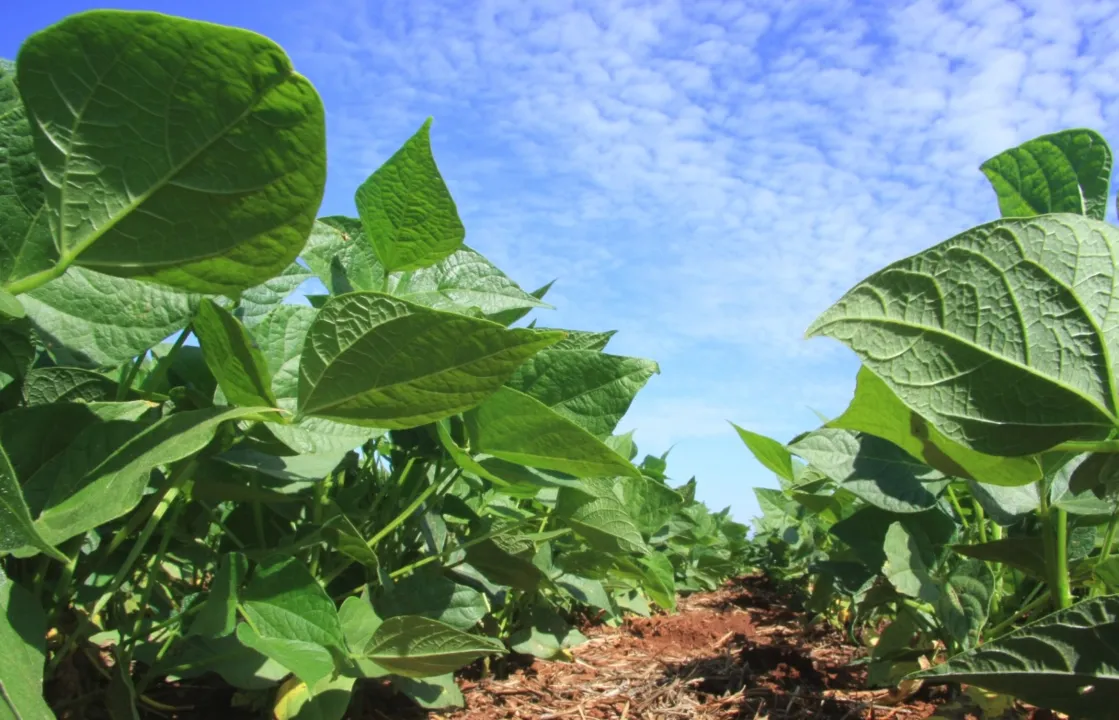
(738, 652)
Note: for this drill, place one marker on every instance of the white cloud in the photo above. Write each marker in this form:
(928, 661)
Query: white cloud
(707, 177)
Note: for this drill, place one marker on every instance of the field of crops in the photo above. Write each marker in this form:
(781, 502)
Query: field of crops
(215, 500)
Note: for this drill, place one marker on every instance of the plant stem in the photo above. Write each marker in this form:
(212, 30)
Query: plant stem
(124, 571)
(959, 510)
(1038, 602)
(1087, 446)
(980, 519)
(1054, 527)
(126, 382)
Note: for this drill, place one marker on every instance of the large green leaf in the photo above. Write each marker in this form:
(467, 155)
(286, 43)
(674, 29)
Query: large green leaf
(516, 427)
(599, 515)
(649, 503)
(965, 601)
(461, 281)
(865, 531)
(88, 318)
(906, 565)
(500, 566)
(590, 388)
(1000, 336)
(236, 363)
(545, 635)
(196, 138)
(26, 246)
(406, 209)
(508, 317)
(432, 595)
(291, 619)
(769, 452)
(23, 632)
(877, 411)
(874, 469)
(432, 693)
(17, 528)
(1067, 661)
(415, 646)
(374, 360)
(104, 472)
(281, 334)
(1066, 172)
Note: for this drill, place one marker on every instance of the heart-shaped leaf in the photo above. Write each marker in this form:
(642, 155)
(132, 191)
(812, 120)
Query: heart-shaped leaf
(1002, 337)
(417, 365)
(198, 139)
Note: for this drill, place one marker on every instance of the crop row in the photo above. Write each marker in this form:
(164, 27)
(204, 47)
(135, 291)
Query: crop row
(387, 484)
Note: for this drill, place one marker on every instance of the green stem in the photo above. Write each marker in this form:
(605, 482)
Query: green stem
(1108, 539)
(1087, 446)
(31, 282)
(959, 510)
(397, 521)
(1054, 522)
(980, 519)
(1038, 602)
(153, 564)
(124, 571)
(126, 382)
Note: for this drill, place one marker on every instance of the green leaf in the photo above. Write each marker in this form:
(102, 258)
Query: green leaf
(259, 300)
(17, 529)
(104, 471)
(239, 665)
(339, 253)
(198, 138)
(874, 469)
(281, 335)
(415, 646)
(46, 385)
(26, 246)
(359, 621)
(120, 697)
(90, 319)
(1066, 172)
(432, 595)
(218, 616)
(905, 567)
(1004, 382)
(877, 411)
(965, 601)
(17, 350)
(589, 388)
(23, 632)
(459, 282)
(659, 580)
(417, 365)
(309, 661)
(601, 518)
(327, 699)
(10, 307)
(515, 427)
(768, 452)
(587, 591)
(650, 503)
(406, 209)
(545, 635)
(865, 531)
(284, 601)
(1066, 661)
(508, 317)
(291, 619)
(347, 540)
(239, 367)
(1005, 505)
(433, 693)
(1022, 553)
(582, 340)
(504, 568)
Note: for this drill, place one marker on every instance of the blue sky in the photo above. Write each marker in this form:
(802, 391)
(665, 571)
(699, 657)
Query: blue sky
(703, 177)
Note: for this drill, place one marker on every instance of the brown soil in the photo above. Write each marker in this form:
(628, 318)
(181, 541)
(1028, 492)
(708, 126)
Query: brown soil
(739, 653)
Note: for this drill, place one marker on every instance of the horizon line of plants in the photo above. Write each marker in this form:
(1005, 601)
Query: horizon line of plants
(973, 481)
(386, 485)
